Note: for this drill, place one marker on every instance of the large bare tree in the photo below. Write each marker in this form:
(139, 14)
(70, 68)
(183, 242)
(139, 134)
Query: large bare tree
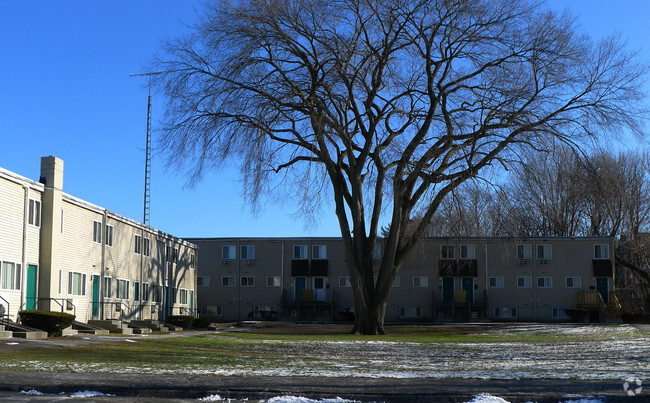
(390, 105)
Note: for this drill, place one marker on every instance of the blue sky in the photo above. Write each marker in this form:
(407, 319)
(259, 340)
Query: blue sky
(66, 90)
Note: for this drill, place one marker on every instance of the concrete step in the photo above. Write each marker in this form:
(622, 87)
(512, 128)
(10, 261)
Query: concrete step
(69, 331)
(6, 333)
(38, 335)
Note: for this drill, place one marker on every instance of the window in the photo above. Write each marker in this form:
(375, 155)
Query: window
(524, 282)
(34, 216)
(247, 281)
(136, 291)
(76, 283)
(410, 312)
(192, 260)
(175, 255)
(573, 282)
(156, 293)
(203, 281)
(97, 232)
(208, 310)
(496, 282)
(145, 291)
(300, 251)
(10, 276)
(109, 235)
(505, 312)
(146, 246)
(228, 281)
(319, 252)
(273, 281)
(524, 252)
(228, 252)
(344, 281)
(137, 239)
(122, 289)
(62, 211)
(601, 251)
(108, 290)
(559, 313)
(467, 252)
(248, 251)
(544, 251)
(397, 282)
(376, 252)
(420, 281)
(182, 296)
(60, 281)
(544, 282)
(448, 252)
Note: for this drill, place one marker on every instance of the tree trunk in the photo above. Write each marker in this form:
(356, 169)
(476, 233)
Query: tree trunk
(369, 315)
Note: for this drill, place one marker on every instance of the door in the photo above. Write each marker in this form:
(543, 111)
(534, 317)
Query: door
(30, 303)
(448, 290)
(300, 286)
(192, 303)
(603, 288)
(319, 288)
(136, 298)
(95, 300)
(468, 287)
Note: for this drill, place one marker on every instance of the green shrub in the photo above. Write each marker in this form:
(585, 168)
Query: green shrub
(183, 321)
(51, 322)
(201, 323)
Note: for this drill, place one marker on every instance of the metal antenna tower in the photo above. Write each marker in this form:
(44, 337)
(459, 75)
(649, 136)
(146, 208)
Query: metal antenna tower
(147, 166)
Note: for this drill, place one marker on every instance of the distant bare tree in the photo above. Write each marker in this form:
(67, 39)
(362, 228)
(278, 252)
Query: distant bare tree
(390, 105)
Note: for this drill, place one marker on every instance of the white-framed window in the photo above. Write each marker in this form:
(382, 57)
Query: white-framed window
(156, 293)
(109, 235)
(376, 252)
(192, 260)
(505, 312)
(468, 251)
(420, 281)
(203, 281)
(34, 214)
(559, 313)
(448, 252)
(122, 289)
(273, 281)
(397, 282)
(145, 291)
(248, 252)
(228, 252)
(97, 231)
(544, 251)
(524, 251)
(573, 282)
(601, 251)
(10, 276)
(146, 246)
(247, 281)
(228, 281)
(76, 283)
(208, 310)
(108, 287)
(300, 251)
(496, 282)
(344, 281)
(137, 242)
(410, 312)
(544, 282)
(62, 220)
(60, 281)
(524, 282)
(319, 251)
(182, 296)
(175, 256)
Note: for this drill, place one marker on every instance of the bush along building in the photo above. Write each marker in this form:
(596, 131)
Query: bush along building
(445, 279)
(60, 253)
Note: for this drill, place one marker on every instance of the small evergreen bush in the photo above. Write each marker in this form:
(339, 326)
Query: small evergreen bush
(201, 323)
(183, 321)
(48, 321)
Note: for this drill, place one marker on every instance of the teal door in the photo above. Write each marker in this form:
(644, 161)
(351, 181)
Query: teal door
(448, 290)
(192, 302)
(468, 286)
(301, 285)
(95, 301)
(30, 304)
(603, 288)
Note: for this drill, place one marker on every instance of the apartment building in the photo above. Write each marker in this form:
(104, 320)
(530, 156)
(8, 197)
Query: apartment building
(445, 279)
(61, 253)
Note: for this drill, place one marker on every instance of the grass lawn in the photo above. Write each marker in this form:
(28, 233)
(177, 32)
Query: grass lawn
(327, 350)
